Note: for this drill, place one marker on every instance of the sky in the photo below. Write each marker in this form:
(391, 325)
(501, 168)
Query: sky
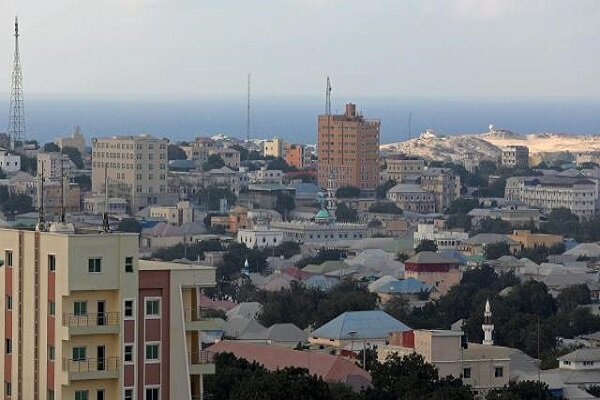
(388, 48)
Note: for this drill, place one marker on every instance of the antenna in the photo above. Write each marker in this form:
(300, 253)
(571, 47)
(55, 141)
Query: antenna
(248, 111)
(41, 225)
(16, 114)
(409, 125)
(62, 189)
(105, 226)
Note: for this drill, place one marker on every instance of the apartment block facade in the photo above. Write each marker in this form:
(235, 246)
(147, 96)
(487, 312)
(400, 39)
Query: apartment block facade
(348, 150)
(444, 184)
(399, 168)
(136, 169)
(515, 156)
(53, 164)
(84, 319)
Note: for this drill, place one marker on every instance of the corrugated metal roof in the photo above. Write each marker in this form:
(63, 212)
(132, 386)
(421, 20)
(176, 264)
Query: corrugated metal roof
(351, 325)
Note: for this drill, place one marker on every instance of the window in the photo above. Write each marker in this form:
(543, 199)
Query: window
(7, 388)
(9, 302)
(128, 309)
(153, 308)
(51, 307)
(51, 353)
(50, 394)
(588, 363)
(82, 395)
(100, 394)
(79, 353)
(94, 265)
(80, 308)
(8, 257)
(7, 346)
(128, 264)
(128, 353)
(466, 373)
(499, 372)
(51, 262)
(128, 394)
(152, 352)
(152, 393)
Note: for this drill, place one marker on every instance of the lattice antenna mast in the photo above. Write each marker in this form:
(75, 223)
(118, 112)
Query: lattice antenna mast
(105, 224)
(328, 113)
(62, 189)
(16, 117)
(248, 111)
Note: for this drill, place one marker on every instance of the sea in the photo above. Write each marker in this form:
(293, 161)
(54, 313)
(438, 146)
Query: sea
(294, 118)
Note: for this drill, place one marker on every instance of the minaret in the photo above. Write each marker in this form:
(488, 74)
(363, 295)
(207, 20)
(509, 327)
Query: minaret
(488, 325)
(16, 114)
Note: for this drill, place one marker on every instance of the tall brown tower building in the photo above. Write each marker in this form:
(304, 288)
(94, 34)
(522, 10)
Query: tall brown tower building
(348, 150)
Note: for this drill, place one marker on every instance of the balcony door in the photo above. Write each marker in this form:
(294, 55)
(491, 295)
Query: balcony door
(101, 358)
(101, 316)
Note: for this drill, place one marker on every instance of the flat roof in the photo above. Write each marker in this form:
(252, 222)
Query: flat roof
(179, 265)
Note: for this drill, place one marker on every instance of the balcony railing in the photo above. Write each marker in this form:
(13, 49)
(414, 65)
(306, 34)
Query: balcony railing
(199, 314)
(201, 357)
(93, 319)
(91, 364)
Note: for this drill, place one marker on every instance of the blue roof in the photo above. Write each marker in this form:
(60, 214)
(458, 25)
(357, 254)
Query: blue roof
(405, 286)
(354, 325)
(304, 187)
(321, 282)
(453, 253)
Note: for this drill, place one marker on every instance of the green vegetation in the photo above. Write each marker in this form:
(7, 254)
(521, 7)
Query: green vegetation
(175, 152)
(385, 207)
(51, 147)
(347, 192)
(214, 161)
(84, 182)
(344, 213)
(17, 204)
(322, 256)
(382, 189)
(211, 196)
(279, 164)
(74, 155)
(284, 204)
(426, 245)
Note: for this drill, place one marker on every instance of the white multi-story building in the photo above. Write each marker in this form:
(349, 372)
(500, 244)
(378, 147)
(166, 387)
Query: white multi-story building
(399, 168)
(444, 240)
(260, 237)
(264, 175)
(576, 194)
(51, 164)
(9, 162)
(412, 197)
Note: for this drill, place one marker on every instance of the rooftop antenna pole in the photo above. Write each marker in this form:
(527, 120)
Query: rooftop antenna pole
(62, 189)
(248, 111)
(105, 226)
(41, 226)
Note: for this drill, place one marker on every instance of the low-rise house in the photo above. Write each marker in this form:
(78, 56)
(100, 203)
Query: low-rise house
(368, 327)
(388, 287)
(332, 369)
(287, 335)
(411, 197)
(231, 157)
(9, 162)
(96, 205)
(530, 240)
(585, 250)
(260, 237)
(264, 175)
(517, 216)
(181, 213)
(444, 239)
(475, 246)
(436, 271)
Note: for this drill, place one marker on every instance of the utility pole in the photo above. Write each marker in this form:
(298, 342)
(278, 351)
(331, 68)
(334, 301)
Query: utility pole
(409, 125)
(16, 114)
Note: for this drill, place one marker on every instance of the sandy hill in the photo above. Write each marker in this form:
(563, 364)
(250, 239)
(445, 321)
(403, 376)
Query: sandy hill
(487, 145)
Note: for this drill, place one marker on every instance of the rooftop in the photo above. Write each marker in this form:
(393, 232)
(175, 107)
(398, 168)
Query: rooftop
(352, 325)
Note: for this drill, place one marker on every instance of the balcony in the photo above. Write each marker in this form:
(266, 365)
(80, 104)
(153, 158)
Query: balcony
(92, 368)
(92, 324)
(202, 320)
(201, 362)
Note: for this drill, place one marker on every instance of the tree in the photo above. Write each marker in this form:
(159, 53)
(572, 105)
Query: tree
(129, 225)
(279, 164)
(287, 250)
(462, 206)
(521, 390)
(562, 221)
(28, 164)
(175, 152)
(573, 296)
(84, 182)
(494, 251)
(347, 192)
(459, 221)
(284, 204)
(402, 257)
(190, 251)
(18, 204)
(74, 155)
(494, 225)
(426, 245)
(214, 161)
(382, 189)
(385, 207)
(51, 147)
(211, 197)
(3, 195)
(343, 213)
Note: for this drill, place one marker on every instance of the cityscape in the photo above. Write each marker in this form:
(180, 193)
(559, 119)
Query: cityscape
(248, 265)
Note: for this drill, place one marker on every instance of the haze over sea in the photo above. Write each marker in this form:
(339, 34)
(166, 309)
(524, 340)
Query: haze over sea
(294, 119)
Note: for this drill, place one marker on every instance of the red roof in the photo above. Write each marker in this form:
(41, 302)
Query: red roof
(330, 368)
(206, 302)
(296, 272)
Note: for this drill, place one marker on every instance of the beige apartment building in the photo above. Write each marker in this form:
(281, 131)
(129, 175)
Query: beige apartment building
(274, 147)
(84, 319)
(136, 169)
(348, 150)
(444, 184)
(515, 156)
(76, 140)
(53, 164)
(399, 168)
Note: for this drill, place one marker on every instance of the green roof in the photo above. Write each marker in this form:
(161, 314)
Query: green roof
(323, 214)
